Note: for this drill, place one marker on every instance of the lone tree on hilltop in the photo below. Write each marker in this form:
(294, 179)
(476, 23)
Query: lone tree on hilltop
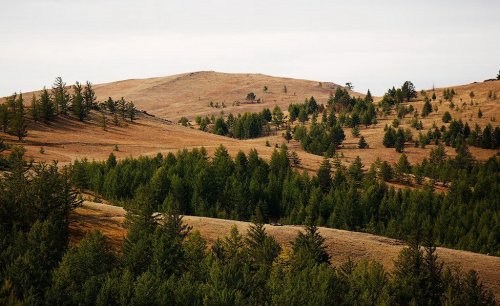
(409, 91)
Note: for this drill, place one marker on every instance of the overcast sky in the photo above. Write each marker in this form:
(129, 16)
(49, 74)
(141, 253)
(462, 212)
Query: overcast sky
(373, 44)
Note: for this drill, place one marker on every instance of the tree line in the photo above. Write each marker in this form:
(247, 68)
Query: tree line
(59, 101)
(346, 198)
(163, 261)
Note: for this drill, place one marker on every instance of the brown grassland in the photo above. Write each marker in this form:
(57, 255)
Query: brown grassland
(341, 244)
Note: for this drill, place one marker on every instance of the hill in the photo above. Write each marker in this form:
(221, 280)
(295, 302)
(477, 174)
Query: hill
(341, 244)
(190, 94)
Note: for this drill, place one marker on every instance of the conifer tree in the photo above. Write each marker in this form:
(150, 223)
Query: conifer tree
(35, 109)
(131, 111)
(89, 97)
(309, 248)
(4, 117)
(324, 175)
(61, 96)
(362, 144)
(47, 110)
(78, 106)
(427, 108)
(17, 123)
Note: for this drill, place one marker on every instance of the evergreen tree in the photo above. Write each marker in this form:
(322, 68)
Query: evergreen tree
(389, 138)
(399, 143)
(277, 117)
(47, 110)
(77, 102)
(111, 105)
(446, 117)
(427, 108)
(324, 175)
(61, 96)
(4, 117)
(309, 248)
(35, 109)
(362, 144)
(131, 111)
(408, 91)
(89, 98)
(17, 122)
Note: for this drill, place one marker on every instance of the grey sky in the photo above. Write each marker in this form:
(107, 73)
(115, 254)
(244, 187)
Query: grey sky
(373, 44)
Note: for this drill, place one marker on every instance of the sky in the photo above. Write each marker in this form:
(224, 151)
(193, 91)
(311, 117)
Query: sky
(373, 44)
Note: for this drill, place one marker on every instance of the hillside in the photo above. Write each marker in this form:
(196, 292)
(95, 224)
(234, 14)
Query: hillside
(190, 94)
(341, 244)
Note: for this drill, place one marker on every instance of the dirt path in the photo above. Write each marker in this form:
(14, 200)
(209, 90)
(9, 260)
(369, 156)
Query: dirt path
(341, 244)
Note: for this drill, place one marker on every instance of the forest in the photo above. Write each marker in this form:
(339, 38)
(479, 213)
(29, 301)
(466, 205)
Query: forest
(247, 187)
(164, 262)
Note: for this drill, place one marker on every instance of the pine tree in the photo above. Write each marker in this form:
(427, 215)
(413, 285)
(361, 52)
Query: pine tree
(131, 111)
(61, 96)
(111, 105)
(408, 91)
(122, 108)
(479, 114)
(77, 102)
(47, 110)
(399, 143)
(389, 138)
(355, 131)
(324, 175)
(89, 98)
(35, 109)
(446, 117)
(17, 123)
(4, 117)
(277, 117)
(427, 108)
(362, 144)
(309, 248)
(104, 122)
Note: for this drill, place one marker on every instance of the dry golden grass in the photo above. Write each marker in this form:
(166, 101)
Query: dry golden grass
(189, 94)
(341, 244)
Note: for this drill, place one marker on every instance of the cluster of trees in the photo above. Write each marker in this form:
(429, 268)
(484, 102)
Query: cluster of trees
(456, 133)
(395, 96)
(301, 111)
(122, 108)
(396, 139)
(353, 111)
(246, 187)
(59, 101)
(320, 138)
(248, 125)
